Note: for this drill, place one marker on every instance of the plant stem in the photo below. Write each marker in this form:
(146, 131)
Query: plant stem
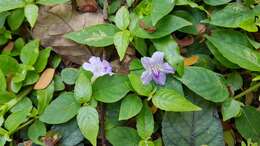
(102, 124)
(256, 86)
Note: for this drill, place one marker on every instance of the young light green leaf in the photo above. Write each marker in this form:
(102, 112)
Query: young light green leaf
(8, 65)
(6, 5)
(171, 100)
(88, 122)
(61, 110)
(23, 105)
(31, 78)
(69, 75)
(121, 41)
(15, 119)
(131, 105)
(16, 18)
(42, 60)
(248, 123)
(36, 130)
(100, 35)
(146, 143)
(31, 13)
(30, 52)
(122, 18)
(51, 2)
(161, 8)
(2, 82)
(83, 88)
(44, 96)
(123, 136)
(105, 89)
(230, 108)
(145, 122)
(205, 83)
(216, 3)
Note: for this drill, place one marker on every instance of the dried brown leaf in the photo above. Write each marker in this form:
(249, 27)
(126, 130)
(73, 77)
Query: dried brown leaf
(45, 79)
(191, 60)
(87, 5)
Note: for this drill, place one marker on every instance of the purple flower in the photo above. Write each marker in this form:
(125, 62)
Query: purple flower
(155, 69)
(97, 67)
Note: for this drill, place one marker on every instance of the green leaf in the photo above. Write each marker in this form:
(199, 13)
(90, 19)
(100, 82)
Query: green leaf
(44, 97)
(61, 110)
(248, 123)
(31, 78)
(140, 46)
(70, 132)
(16, 18)
(171, 100)
(2, 82)
(83, 88)
(51, 2)
(69, 75)
(18, 45)
(58, 84)
(234, 15)
(3, 17)
(137, 84)
(15, 119)
(31, 13)
(30, 52)
(216, 3)
(23, 105)
(193, 128)
(146, 143)
(105, 89)
(161, 8)
(6, 5)
(100, 35)
(42, 60)
(205, 83)
(164, 27)
(237, 53)
(234, 80)
(123, 136)
(88, 122)
(170, 48)
(220, 57)
(8, 65)
(145, 122)
(122, 18)
(230, 108)
(131, 105)
(121, 41)
(36, 130)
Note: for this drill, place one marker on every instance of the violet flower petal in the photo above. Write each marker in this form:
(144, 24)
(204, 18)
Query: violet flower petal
(146, 77)
(160, 79)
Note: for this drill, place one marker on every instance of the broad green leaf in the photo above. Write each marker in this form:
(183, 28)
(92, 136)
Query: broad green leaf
(121, 41)
(112, 116)
(225, 62)
(23, 105)
(205, 83)
(83, 88)
(51, 2)
(122, 18)
(193, 128)
(15, 119)
(31, 78)
(6, 5)
(61, 110)
(106, 88)
(235, 81)
(3, 17)
(190, 3)
(248, 123)
(216, 2)
(170, 48)
(88, 122)
(131, 105)
(145, 122)
(234, 15)
(161, 8)
(123, 136)
(35, 131)
(164, 27)
(237, 53)
(44, 96)
(254, 43)
(70, 132)
(100, 35)
(2, 82)
(16, 18)
(173, 84)
(8, 65)
(6, 96)
(18, 45)
(42, 60)
(56, 60)
(140, 46)
(69, 75)
(230, 108)
(137, 84)
(30, 52)
(171, 100)
(31, 13)
(58, 84)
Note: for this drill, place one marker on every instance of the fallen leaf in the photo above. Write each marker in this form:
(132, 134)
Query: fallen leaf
(191, 60)
(9, 47)
(45, 79)
(87, 5)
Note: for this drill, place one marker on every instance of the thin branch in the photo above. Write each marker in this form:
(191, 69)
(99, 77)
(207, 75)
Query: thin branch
(102, 124)
(253, 88)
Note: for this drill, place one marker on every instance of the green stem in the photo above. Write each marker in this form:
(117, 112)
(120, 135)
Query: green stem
(256, 86)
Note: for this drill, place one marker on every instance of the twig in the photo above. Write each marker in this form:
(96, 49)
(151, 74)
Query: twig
(102, 124)
(256, 86)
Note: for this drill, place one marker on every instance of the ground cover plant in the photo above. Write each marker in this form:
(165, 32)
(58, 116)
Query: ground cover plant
(129, 72)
